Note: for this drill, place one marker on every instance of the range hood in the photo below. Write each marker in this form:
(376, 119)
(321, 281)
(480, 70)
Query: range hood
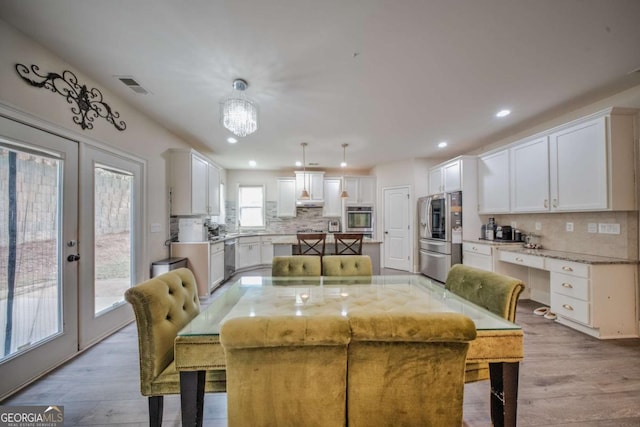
(309, 203)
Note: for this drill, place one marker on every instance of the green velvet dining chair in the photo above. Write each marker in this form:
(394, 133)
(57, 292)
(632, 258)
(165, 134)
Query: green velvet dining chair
(296, 265)
(495, 292)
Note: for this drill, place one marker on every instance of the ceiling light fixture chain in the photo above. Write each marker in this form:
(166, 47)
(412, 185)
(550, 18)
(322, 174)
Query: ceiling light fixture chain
(305, 194)
(238, 113)
(344, 194)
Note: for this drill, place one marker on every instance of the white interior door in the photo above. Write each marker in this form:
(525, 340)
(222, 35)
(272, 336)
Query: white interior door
(397, 233)
(110, 231)
(38, 222)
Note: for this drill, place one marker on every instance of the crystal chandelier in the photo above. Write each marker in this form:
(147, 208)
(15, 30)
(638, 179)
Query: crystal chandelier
(237, 113)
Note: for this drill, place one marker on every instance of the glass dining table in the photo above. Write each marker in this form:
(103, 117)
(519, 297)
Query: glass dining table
(198, 349)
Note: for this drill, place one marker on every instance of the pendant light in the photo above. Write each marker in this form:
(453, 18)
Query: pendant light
(305, 194)
(344, 194)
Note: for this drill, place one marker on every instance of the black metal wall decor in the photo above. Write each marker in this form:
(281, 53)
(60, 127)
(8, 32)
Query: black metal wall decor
(87, 103)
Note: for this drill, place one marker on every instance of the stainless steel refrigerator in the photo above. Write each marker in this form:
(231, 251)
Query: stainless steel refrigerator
(440, 225)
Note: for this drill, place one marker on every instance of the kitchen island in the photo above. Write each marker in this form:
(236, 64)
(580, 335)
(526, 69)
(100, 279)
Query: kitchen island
(287, 245)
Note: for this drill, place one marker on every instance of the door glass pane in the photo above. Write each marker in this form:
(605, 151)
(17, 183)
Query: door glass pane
(113, 254)
(30, 302)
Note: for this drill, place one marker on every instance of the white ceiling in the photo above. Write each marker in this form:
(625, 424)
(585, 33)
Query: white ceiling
(390, 78)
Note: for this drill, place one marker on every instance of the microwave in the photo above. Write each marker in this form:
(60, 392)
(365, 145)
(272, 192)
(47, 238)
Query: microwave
(359, 219)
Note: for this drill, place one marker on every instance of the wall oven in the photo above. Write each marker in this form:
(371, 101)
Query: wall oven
(359, 219)
(440, 225)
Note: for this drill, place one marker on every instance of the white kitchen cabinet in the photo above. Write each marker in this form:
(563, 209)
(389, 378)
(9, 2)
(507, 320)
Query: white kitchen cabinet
(361, 190)
(205, 260)
(332, 202)
(216, 265)
(477, 255)
(446, 178)
(213, 190)
(286, 203)
(313, 182)
(266, 250)
(493, 182)
(591, 162)
(530, 176)
(248, 252)
(194, 183)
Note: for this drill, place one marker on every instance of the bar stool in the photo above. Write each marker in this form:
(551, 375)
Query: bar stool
(311, 243)
(348, 243)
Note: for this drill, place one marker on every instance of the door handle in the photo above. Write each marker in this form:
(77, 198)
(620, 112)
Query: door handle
(73, 257)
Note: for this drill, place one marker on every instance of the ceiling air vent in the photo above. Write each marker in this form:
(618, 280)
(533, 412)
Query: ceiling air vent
(132, 84)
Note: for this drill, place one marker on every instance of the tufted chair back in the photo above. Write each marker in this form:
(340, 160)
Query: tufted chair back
(346, 265)
(495, 292)
(407, 369)
(286, 370)
(296, 265)
(163, 305)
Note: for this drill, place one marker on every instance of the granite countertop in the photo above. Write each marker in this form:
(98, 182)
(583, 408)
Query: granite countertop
(569, 256)
(495, 242)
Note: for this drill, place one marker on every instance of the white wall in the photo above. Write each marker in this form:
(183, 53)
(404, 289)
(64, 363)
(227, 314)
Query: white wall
(142, 138)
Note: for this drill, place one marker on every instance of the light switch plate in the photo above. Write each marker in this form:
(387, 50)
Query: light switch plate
(155, 227)
(609, 228)
(592, 227)
(538, 226)
(569, 226)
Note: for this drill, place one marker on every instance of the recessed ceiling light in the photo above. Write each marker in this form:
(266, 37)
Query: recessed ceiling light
(252, 163)
(442, 144)
(298, 163)
(231, 140)
(503, 113)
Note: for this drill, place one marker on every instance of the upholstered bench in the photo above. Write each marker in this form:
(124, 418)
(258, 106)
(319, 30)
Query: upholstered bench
(346, 265)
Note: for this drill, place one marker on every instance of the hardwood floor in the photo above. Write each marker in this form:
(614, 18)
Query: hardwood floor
(566, 379)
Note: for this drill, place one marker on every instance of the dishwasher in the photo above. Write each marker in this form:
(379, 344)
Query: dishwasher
(229, 258)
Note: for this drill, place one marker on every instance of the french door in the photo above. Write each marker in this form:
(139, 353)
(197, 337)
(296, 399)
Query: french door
(38, 238)
(71, 222)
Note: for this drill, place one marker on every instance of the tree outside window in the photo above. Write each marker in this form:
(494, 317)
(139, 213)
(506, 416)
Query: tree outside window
(251, 206)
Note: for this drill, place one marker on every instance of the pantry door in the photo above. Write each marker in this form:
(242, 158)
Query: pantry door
(38, 252)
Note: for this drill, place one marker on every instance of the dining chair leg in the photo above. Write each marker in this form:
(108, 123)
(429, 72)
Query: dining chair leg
(156, 404)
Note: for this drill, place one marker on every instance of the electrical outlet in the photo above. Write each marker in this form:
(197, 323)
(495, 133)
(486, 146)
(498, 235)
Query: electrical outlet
(538, 226)
(569, 226)
(156, 228)
(609, 228)
(592, 227)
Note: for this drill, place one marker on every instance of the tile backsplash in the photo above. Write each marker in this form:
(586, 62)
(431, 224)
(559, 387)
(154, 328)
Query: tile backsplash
(553, 234)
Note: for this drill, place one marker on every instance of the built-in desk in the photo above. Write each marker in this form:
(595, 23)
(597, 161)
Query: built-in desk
(593, 294)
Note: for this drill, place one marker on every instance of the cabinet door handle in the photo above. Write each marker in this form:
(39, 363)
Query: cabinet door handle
(546, 203)
(555, 203)
(567, 285)
(567, 307)
(565, 268)
(474, 248)
(519, 259)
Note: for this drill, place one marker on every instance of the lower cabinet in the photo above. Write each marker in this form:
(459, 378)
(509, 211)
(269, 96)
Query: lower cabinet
(252, 251)
(598, 299)
(477, 255)
(205, 260)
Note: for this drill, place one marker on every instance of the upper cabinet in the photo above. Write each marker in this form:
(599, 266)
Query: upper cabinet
(446, 177)
(530, 176)
(332, 201)
(195, 184)
(286, 203)
(361, 190)
(493, 182)
(313, 182)
(585, 165)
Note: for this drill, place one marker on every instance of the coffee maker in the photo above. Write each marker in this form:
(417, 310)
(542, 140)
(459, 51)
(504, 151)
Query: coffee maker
(334, 226)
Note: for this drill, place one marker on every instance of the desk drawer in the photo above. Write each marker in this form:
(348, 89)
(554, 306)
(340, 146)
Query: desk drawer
(571, 286)
(571, 308)
(477, 248)
(522, 259)
(568, 267)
